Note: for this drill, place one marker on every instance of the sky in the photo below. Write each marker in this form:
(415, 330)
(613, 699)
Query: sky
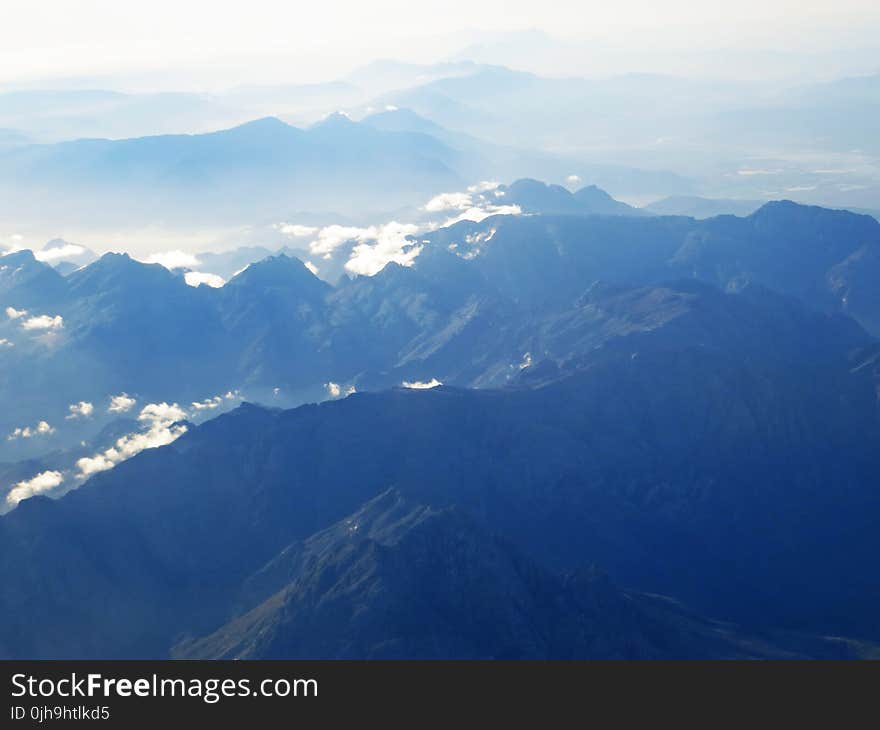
(272, 40)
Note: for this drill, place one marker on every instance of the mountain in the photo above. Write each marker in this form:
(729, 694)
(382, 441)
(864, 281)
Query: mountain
(26, 282)
(260, 171)
(399, 580)
(717, 448)
(483, 159)
(697, 207)
(479, 301)
(64, 256)
(534, 196)
(521, 253)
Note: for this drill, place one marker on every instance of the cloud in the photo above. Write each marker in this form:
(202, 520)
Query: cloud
(332, 237)
(484, 186)
(14, 313)
(421, 384)
(41, 429)
(311, 267)
(121, 403)
(335, 390)
(5, 343)
(40, 484)
(43, 322)
(477, 214)
(58, 253)
(378, 245)
(751, 173)
(163, 427)
(162, 413)
(295, 230)
(196, 278)
(449, 201)
(173, 259)
(573, 179)
(392, 243)
(208, 404)
(83, 409)
(478, 203)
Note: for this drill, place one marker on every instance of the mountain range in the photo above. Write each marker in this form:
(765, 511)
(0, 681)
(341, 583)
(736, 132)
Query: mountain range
(478, 301)
(726, 461)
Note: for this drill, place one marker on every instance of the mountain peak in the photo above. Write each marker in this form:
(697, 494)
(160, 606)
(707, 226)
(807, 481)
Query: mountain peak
(535, 196)
(277, 271)
(336, 120)
(265, 123)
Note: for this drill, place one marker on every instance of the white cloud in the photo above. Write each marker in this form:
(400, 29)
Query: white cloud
(173, 259)
(573, 179)
(477, 214)
(208, 404)
(41, 483)
(162, 413)
(422, 384)
(195, 278)
(162, 429)
(311, 267)
(43, 322)
(391, 244)
(14, 313)
(335, 390)
(88, 465)
(484, 186)
(526, 361)
(5, 343)
(377, 245)
(449, 201)
(121, 403)
(41, 429)
(296, 231)
(83, 409)
(332, 237)
(58, 253)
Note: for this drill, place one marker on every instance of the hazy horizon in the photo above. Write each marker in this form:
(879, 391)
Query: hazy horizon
(211, 46)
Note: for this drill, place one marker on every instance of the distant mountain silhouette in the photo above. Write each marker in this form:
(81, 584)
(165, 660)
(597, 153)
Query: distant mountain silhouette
(262, 169)
(534, 196)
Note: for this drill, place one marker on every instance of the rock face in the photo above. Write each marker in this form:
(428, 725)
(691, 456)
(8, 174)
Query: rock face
(718, 448)
(396, 581)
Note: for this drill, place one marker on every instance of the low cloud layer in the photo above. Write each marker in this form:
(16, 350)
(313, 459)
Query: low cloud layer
(421, 384)
(162, 427)
(376, 246)
(59, 253)
(173, 259)
(335, 390)
(40, 484)
(197, 278)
